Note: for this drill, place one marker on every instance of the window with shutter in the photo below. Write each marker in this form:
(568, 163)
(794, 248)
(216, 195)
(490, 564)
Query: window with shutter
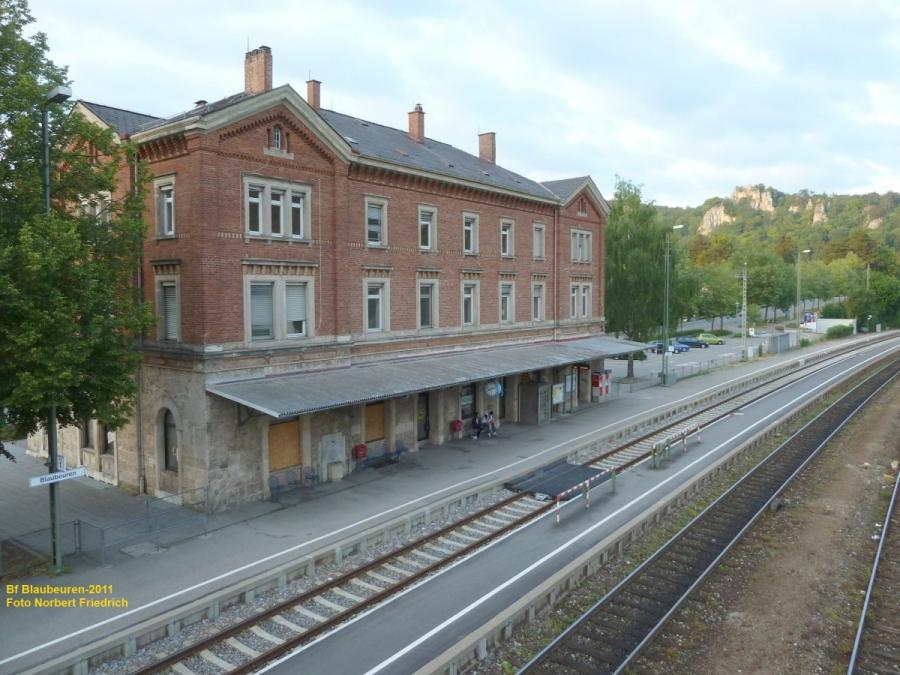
(261, 315)
(169, 310)
(295, 309)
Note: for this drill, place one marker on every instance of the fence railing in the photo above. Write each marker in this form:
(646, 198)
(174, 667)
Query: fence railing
(166, 520)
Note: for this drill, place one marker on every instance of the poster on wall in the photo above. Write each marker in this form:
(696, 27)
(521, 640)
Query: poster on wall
(559, 393)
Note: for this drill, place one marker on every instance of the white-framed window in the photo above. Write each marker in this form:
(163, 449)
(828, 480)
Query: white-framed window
(470, 233)
(580, 301)
(168, 310)
(507, 302)
(97, 207)
(295, 312)
(262, 310)
(507, 238)
(376, 221)
(164, 191)
(279, 308)
(276, 208)
(581, 246)
(537, 301)
(539, 244)
(298, 215)
(427, 228)
(470, 303)
(428, 304)
(276, 212)
(277, 139)
(377, 305)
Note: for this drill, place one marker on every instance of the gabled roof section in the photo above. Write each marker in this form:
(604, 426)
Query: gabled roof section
(568, 188)
(394, 146)
(356, 141)
(124, 122)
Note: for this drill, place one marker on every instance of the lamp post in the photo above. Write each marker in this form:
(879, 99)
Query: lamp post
(665, 331)
(797, 306)
(56, 95)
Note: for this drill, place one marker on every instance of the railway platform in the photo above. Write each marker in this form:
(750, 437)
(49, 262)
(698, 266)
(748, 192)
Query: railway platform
(241, 543)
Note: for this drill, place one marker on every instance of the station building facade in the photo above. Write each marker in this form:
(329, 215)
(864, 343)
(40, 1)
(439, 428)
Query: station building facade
(327, 287)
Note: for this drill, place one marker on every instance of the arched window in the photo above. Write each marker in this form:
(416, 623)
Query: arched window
(276, 138)
(170, 441)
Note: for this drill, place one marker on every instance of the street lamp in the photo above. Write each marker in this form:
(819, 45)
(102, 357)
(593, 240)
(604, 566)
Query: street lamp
(665, 343)
(797, 306)
(56, 95)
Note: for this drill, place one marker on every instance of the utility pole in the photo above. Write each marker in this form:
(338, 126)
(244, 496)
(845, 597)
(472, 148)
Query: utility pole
(57, 95)
(744, 313)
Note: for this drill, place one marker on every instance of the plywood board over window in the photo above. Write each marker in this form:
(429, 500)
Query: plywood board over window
(374, 421)
(284, 445)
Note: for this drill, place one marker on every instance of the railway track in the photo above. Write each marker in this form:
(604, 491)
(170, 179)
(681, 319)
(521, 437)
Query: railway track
(249, 645)
(877, 645)
(614, 631)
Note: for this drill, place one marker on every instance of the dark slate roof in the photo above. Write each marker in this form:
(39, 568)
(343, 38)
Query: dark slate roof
(205, 109)
(374, 141)
(123, 121)
(288, 395)
(564, 189)
(394, 146)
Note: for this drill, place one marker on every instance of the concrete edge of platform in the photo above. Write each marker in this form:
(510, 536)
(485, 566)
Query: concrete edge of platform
(144, 631)
(474, 646)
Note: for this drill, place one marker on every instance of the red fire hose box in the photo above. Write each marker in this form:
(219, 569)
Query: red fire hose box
(359, 451)
(456, 425)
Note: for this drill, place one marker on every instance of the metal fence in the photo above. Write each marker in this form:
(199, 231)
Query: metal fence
(679, 371)
(165, 520)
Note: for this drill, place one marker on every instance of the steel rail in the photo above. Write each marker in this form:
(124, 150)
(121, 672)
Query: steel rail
(881, 605)
(612, 633)
(182, 655)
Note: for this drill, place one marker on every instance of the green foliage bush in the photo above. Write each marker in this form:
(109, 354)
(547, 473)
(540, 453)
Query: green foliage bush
(836, 332)
(834, 310)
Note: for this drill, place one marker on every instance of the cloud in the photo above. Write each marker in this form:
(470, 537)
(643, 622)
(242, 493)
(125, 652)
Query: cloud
(688, 99)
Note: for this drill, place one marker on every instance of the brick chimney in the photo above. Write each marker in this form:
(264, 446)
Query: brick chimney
(417, 124)
(258, 70)
(313, 91)
(487, 147)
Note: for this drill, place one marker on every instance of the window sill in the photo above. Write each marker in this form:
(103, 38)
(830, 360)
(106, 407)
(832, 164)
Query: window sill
(255, 236)
(371, 245)
(160, 237)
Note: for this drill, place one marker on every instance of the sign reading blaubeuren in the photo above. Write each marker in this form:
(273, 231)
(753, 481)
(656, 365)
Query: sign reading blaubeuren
(48, 478)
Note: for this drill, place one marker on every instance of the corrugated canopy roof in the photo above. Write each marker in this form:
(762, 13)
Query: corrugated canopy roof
(284, 396)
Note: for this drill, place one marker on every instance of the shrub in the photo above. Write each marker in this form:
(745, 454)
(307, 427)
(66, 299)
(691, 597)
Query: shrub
(834, 310)
(836, 332)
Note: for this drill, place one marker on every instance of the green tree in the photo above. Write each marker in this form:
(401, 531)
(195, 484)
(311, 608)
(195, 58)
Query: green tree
(634, 266)
(67, 295)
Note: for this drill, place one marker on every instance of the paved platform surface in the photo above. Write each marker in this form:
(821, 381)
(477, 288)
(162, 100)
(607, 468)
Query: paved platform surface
(245, 541)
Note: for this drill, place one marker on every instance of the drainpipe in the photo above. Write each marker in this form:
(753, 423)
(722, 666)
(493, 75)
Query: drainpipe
(555, 274)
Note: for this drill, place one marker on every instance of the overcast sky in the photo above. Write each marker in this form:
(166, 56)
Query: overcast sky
(685, 98)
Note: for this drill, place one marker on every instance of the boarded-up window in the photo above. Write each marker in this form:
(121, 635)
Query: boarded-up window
(374, 421)
(284, 445)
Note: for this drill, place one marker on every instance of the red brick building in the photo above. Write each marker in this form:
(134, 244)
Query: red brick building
(323, 282)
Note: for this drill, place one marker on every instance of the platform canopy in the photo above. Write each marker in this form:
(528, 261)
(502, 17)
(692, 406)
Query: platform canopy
(288, 395)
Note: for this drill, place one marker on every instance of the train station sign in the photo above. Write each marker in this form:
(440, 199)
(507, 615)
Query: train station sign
(48, 478)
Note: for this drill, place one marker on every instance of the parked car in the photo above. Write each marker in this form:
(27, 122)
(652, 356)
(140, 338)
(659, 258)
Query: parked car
(674, 347)
(693, 342)
(711, 339)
